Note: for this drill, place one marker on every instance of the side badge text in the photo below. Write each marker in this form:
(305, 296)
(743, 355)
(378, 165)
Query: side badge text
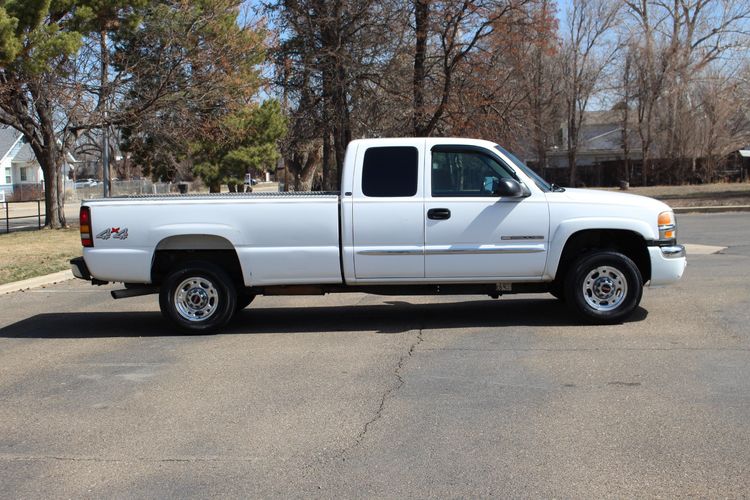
(117, 233)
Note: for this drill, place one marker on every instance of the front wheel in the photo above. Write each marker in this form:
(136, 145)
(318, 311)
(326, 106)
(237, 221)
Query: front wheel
(243, 300)
(604, 287)
(198, 297)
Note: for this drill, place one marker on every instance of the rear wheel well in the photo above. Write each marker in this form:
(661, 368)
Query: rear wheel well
(625, 242)
(166, 261)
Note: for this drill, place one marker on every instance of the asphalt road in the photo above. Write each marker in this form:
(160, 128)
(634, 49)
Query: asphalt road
(359, 396)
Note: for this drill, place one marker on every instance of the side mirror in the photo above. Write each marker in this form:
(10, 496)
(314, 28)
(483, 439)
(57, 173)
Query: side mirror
(508, 187)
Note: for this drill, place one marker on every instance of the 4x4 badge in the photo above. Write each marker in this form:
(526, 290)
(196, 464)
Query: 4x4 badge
(113, 232)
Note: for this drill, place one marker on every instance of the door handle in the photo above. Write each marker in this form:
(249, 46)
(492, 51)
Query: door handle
(438, 214)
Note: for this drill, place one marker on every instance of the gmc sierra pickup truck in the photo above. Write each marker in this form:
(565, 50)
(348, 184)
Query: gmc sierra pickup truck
(414, 216)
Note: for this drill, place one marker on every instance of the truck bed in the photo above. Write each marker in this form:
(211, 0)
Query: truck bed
(280, 238)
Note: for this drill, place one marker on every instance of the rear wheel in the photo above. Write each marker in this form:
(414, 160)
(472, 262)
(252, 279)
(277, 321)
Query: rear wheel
(198, 297)
(604, 287)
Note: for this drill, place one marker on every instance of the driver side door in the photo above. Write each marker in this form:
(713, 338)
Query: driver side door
(471, 232)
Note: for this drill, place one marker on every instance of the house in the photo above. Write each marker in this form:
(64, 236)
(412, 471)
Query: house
(20, 173)
(600, 158)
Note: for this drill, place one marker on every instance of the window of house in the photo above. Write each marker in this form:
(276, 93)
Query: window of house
(24, 175)
(465, 173)
(390, 171)
(8, 179)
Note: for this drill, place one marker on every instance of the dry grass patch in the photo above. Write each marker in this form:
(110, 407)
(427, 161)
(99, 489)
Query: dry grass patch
(692, 191)
(27, 254)
(720, 194)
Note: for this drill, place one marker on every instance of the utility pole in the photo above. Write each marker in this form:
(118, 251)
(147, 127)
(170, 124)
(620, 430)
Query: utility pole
(105, 154)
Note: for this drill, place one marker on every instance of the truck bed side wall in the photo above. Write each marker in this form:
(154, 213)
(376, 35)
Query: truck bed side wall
(278, 241)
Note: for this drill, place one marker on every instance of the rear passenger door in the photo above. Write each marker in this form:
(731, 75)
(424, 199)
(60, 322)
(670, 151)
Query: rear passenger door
(388, 218)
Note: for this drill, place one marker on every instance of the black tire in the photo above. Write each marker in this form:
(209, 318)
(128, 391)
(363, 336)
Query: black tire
(603, 287)
(243, 300)
(557, 290)
(198, 297)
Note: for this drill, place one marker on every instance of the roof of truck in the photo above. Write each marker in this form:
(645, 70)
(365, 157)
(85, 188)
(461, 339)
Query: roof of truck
(430, 141)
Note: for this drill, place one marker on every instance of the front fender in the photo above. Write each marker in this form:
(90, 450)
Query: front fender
(568, 228)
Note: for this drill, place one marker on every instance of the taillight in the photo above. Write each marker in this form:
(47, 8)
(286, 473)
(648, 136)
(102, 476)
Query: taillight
(85, 220)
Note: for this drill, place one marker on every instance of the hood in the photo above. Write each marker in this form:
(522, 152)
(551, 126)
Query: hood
(614, 198)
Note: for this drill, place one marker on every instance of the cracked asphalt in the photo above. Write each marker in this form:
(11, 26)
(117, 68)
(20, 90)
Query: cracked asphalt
(367, 396)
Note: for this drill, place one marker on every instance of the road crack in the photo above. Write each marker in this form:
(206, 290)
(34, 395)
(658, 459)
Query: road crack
(387, 394)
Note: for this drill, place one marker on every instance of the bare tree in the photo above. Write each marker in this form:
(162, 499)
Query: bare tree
(674, 42)
(587, 54)
(330, 50)
(457, 30)
(651, 61)
(723, 121)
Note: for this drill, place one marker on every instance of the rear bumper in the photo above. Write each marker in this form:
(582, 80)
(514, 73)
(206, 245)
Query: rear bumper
(79, 268)
(667, 264)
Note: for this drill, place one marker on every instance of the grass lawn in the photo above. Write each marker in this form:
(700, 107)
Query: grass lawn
(27, 254)
(697, 195)
(693, 191)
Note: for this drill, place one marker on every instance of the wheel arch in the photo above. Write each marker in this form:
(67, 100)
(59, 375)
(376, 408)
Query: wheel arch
(173, 251)
(626, 241)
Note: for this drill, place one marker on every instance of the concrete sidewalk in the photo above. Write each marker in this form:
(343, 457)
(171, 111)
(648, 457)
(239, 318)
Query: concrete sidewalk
(48, 279)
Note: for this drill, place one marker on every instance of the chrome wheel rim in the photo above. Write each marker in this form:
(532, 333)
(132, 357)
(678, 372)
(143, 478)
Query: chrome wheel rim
(196, 299)
(605, 288)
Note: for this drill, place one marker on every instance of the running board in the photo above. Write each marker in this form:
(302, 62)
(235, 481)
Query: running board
(134, 292)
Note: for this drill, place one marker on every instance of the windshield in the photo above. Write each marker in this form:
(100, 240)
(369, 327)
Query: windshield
(541, 183)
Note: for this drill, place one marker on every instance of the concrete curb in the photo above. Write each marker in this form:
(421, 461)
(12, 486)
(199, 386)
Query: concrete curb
(48, 279)
(712, 209)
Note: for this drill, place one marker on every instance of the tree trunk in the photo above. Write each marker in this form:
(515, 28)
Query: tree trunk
(304, 168)
(342, 131)
(326, 158)
(572, 149)
(50, 155)
(54, 215)
(421, 17)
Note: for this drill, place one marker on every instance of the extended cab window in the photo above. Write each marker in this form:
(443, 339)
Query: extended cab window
(465, 173)
(390, 172)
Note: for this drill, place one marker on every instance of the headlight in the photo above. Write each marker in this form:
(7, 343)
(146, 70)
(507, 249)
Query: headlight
(667, 226)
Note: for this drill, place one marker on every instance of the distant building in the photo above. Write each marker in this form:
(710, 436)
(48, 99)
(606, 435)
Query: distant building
(600, 158)
(19, 169)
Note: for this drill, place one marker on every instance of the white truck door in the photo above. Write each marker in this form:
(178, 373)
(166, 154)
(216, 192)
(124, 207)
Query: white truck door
(388, 208)
(471, 233)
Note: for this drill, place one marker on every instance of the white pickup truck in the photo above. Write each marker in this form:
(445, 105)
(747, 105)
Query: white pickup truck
(415, 216)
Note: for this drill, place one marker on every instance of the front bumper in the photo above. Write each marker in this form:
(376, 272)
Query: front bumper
(667, 264)
(79, 268)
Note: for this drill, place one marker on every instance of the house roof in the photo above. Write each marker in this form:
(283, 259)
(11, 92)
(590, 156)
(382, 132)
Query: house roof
(25, 153)
(8, 138)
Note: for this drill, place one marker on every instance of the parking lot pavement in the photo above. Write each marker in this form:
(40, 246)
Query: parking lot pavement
(356, 395)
